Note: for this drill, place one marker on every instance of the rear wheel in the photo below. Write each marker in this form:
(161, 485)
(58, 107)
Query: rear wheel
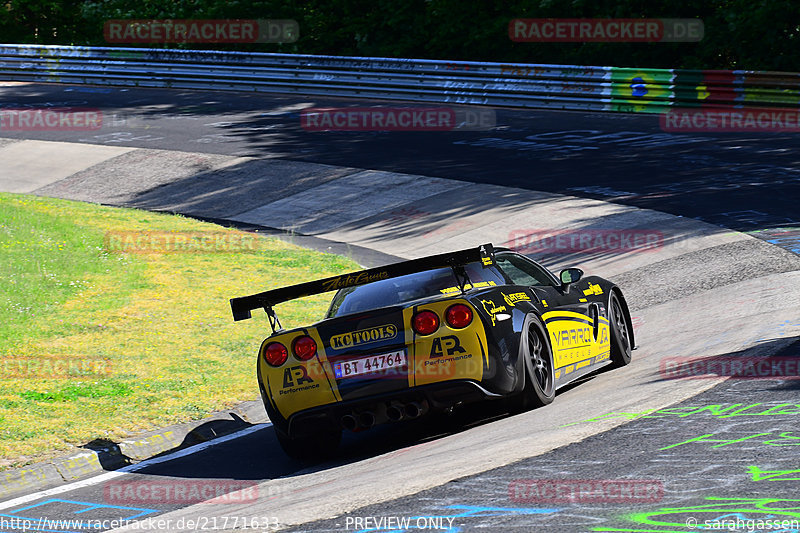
(310, 448)
(539, 371)
(620, 334)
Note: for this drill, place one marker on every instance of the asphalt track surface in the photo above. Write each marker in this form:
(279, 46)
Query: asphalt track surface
(740, 181)
(743, 181)
(686, 478)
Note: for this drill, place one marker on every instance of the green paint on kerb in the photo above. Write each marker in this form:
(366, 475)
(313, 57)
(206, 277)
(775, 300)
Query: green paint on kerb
(630, 416)
(745, 506)
(785, 435)
(703, 438)
(717, 411)
(761, 475)
(684, 530)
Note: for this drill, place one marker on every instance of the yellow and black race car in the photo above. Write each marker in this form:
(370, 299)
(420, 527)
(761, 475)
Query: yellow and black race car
(425, 335)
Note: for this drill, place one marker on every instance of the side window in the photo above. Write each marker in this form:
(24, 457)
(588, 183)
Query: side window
(479, 274)
(523, 272)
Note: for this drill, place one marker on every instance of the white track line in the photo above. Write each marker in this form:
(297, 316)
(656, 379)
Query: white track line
(130, 468)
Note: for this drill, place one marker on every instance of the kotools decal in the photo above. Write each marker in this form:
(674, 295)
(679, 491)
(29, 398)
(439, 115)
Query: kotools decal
(363, 336)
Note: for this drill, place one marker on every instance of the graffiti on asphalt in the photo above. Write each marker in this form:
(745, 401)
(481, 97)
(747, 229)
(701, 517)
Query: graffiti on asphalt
(693, 517)
(783, 436)
(774, 475)
(717, 411)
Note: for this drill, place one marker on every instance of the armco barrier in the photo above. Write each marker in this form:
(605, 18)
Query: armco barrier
(459, 82)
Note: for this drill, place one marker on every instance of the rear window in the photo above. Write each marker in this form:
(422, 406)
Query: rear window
(408, 288)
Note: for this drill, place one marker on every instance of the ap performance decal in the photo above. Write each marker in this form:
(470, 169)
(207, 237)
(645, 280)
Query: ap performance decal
(296, 379)
(449, 346)
(447, 354)
(299, 385)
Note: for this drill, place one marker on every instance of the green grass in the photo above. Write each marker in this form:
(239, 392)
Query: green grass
(47, 259)
(107, 388)
(159, 324)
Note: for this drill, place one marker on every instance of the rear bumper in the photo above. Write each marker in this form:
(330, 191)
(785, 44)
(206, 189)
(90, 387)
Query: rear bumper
(435, 397)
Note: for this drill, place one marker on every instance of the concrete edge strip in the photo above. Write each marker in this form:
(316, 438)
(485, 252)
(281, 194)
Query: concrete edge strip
(366, 257)
(133, 452)
(132, 468)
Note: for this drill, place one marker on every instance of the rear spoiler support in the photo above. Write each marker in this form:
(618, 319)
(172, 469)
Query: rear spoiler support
(483, 254)
(273, 319)
(462, 278)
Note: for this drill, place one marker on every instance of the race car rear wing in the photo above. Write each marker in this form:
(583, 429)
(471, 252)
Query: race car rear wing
(242, 306)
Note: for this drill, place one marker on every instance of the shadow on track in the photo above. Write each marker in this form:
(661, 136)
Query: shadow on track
(258, 456)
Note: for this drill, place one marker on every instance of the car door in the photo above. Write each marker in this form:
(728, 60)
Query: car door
(571, 321)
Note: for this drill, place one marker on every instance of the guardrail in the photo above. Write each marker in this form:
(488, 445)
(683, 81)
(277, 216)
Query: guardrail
(460, 82)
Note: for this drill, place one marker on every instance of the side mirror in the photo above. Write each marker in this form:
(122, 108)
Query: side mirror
(570, 275)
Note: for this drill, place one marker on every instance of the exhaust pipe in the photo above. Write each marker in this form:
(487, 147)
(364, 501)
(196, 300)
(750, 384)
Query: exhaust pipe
(349, 422)
(413, 410)
(366, 419)
(395, 412)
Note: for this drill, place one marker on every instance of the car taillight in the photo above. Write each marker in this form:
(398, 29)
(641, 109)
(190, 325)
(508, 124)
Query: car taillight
(304, 348)
(276, 354)
(425, 322)
(458, 316)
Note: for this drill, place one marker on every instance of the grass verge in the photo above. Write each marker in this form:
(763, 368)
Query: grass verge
(100, 344)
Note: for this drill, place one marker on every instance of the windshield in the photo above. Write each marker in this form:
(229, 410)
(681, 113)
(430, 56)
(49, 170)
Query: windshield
(408, 288)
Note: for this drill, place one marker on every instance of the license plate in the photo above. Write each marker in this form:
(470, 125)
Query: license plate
(370, 364)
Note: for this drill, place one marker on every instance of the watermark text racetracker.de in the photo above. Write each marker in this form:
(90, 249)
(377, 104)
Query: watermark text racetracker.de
(157, 242)
(398, 119)
(201, 31)
(730, 120)
(529, 241)
(611, 30)
(50, 119)
(585, 490)
(184, 492)
(730, 366)
(54, 367)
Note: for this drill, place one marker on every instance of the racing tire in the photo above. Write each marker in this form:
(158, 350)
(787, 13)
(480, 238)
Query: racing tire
(537, 357)
(619, 323)
(310, 448)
